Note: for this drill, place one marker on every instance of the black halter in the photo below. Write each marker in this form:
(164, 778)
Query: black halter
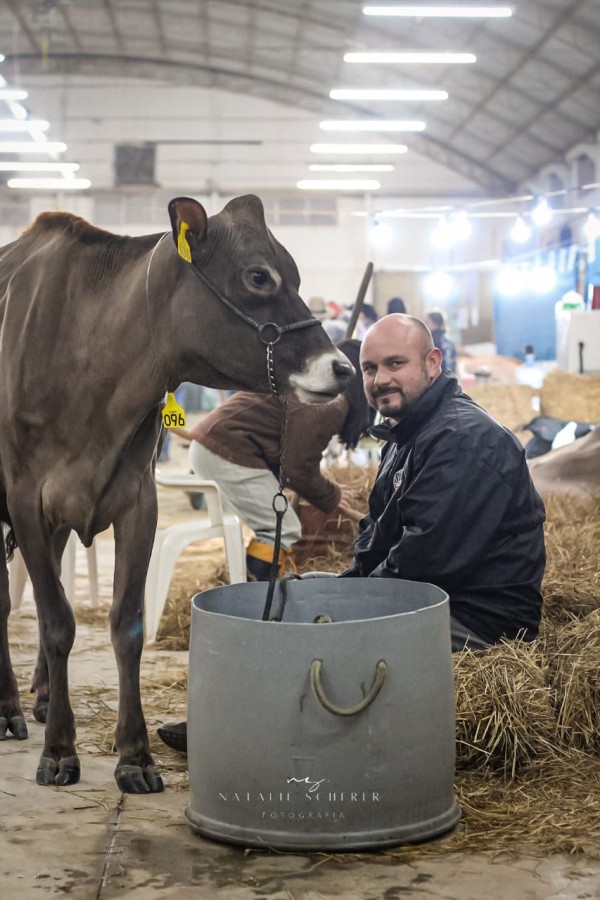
(262, 330)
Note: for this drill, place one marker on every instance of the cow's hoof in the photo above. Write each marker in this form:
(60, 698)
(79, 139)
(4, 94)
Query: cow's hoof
(69, 771)
(135, 780)
(65, 772)
(16, 724)
(40, 711)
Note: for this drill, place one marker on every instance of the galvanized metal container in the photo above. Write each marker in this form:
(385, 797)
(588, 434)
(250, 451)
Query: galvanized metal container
(306, 734)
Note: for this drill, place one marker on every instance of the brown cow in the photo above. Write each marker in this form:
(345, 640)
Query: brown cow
(572, 469)
(94, 329)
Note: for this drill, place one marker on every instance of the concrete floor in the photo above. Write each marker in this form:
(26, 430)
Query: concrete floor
(89, 842)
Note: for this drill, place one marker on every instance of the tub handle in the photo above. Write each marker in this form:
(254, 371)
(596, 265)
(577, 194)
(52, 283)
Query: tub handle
(315, 679)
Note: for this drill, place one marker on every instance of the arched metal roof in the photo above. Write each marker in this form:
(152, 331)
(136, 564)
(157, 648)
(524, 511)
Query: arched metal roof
(533, 93)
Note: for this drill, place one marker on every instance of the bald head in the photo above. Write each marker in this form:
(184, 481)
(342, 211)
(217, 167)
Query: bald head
(404, 328)
(399, 362)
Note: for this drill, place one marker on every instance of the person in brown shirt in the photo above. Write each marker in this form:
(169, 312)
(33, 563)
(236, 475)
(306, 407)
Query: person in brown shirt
(239, 446)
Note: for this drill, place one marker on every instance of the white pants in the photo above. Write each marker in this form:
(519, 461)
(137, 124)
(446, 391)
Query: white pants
(249, 493)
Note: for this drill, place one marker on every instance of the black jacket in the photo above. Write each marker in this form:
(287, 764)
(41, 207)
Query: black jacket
(454, 505)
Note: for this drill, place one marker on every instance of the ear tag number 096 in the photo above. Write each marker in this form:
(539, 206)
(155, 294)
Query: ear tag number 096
(173, 415)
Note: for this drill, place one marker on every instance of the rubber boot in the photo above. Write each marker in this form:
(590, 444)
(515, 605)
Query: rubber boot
(257, 569)
(259, 558)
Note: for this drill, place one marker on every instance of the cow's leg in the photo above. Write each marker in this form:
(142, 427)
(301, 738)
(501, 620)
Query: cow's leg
(11, 717)
(40, 685)
(134, 534)
(58, 763)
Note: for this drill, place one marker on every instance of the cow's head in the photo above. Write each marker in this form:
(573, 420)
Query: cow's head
(239, 259)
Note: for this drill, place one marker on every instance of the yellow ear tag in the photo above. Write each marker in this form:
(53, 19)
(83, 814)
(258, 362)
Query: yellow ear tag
(173, 415)
(183, 247)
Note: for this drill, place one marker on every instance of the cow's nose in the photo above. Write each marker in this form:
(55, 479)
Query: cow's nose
(343, 370)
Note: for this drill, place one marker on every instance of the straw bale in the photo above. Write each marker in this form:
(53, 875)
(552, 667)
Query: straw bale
(573, 653)
(571, 397)
(504, 710)
(571, 586)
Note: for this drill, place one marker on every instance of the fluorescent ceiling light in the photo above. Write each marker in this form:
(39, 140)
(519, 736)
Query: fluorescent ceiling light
(461, 12)
(338, 184)
(32, 147)
(12, 125)
(60, 184)
(372, 125)
(387, 94)
(12, 94)
(409, 56)
(365, 149)
(17, 109)
(351, 167)
(38, 167)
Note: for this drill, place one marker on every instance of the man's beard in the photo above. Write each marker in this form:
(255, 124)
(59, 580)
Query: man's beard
(406, 403)
(397, 407)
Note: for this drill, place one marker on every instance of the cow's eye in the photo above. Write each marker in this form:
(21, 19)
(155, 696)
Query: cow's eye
(259, 277)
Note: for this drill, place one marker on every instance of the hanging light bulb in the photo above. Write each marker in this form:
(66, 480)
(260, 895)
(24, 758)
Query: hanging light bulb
(460, 226)
(439, 285)
(520, 232)
(541, 212)
(441, 236)
(510, 281)
(591, 229)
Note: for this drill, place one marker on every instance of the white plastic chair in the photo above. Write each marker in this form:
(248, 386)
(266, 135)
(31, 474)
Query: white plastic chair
(17, 573)
(170, 542)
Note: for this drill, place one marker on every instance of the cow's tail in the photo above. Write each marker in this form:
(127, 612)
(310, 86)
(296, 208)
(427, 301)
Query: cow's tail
(9, 540)
(10, 544)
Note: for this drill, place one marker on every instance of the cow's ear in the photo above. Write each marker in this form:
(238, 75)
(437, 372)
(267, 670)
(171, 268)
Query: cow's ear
(189, 223)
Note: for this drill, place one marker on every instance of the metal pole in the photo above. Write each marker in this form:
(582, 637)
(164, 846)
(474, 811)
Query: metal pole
(359, 300)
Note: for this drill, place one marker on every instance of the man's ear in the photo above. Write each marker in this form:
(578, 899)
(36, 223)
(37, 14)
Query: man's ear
(189, 224)
(434, 360)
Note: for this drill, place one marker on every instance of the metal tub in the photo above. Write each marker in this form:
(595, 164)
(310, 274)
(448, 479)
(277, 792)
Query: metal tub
(306, 735)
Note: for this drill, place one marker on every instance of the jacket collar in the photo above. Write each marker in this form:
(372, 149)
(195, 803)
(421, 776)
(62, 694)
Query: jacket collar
(399, 432)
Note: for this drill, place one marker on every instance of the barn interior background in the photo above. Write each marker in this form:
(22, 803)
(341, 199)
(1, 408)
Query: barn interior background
(488, 209)
(220, 97)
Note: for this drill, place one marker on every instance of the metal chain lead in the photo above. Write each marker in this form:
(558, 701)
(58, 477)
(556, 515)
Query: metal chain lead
(271, 369)
(283, 441)
(280, 505)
